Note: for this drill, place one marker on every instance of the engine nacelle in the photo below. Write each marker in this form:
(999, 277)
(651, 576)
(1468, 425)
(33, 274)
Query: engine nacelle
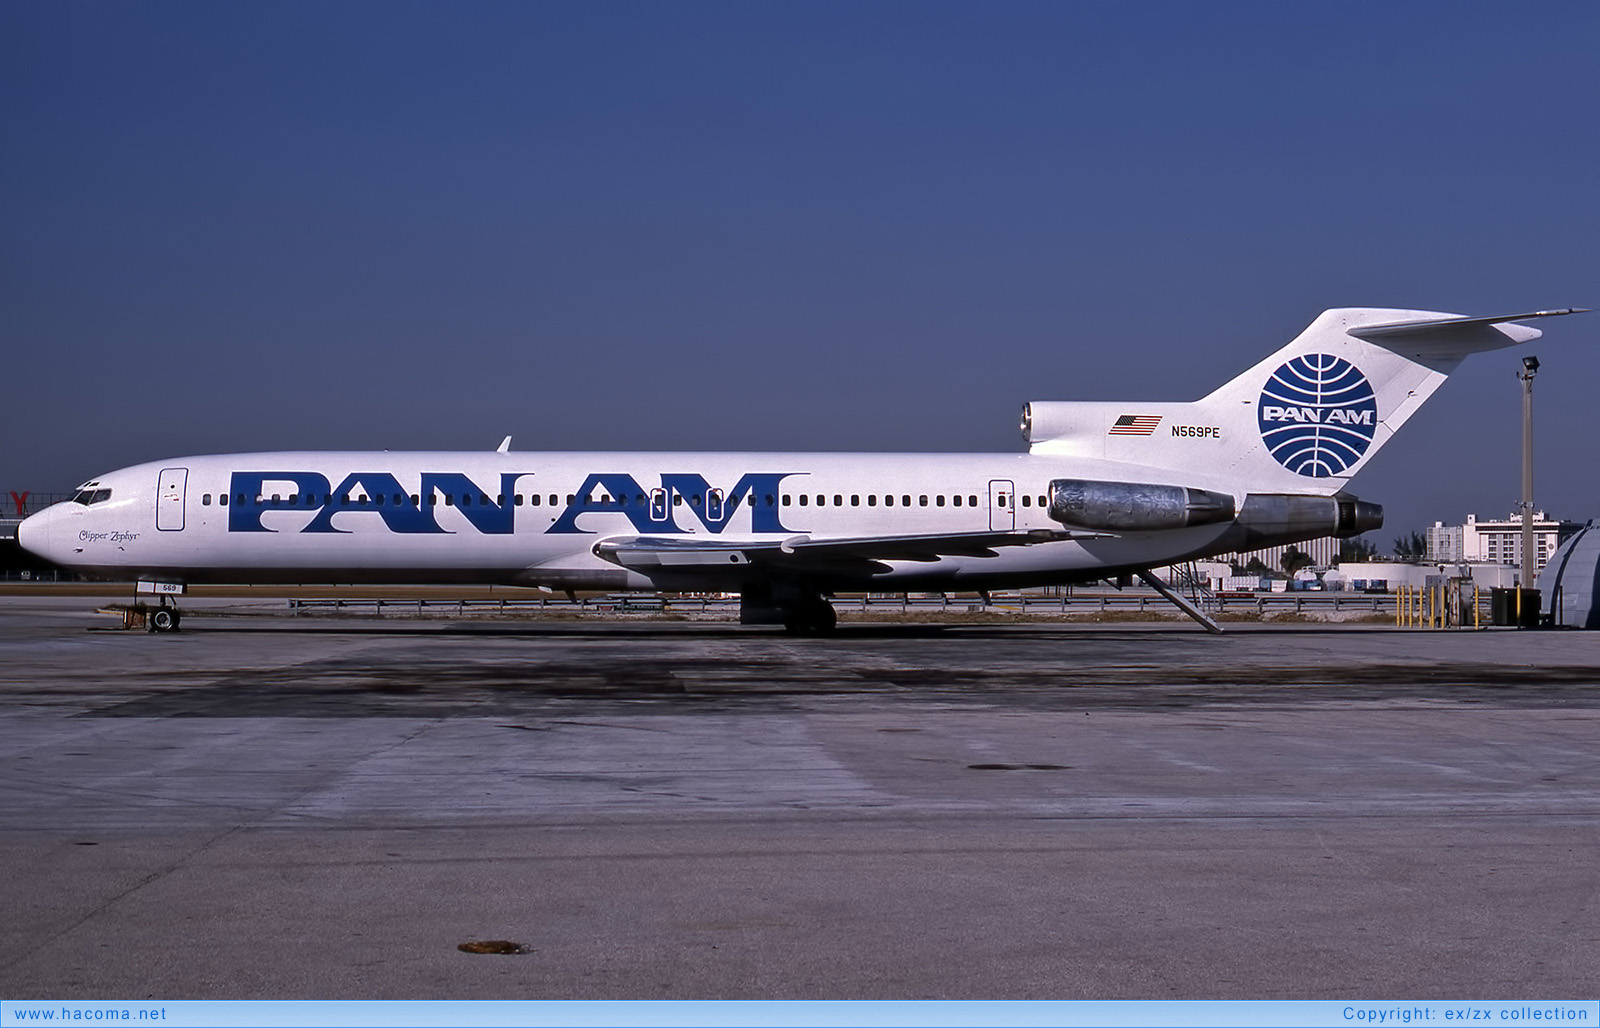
(1135, 506)
(1269, 519)
(1050, 419)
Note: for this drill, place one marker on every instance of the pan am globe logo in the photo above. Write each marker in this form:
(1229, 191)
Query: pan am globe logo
(1317, 415)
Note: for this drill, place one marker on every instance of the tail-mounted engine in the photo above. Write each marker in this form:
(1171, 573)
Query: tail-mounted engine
(1135, 506)
(1265, 519)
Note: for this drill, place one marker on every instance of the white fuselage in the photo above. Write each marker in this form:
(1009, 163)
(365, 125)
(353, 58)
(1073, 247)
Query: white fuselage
(535, 518)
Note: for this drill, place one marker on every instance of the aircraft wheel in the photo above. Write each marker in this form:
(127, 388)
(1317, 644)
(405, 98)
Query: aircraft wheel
(163, 619)
(815, 618)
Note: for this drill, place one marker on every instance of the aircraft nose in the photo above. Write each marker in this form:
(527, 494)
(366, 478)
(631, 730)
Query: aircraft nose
(36, 534)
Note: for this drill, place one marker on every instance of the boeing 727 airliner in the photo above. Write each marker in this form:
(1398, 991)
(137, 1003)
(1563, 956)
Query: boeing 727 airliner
(1105, 489)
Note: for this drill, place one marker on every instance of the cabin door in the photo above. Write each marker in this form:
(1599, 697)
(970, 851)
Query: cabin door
(1002, 506)
(169, 499)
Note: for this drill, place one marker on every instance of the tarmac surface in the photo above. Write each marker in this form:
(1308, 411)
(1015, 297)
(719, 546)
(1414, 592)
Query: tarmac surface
(279, 807)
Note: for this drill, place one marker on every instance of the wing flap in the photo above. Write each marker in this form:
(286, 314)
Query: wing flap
(666, 553)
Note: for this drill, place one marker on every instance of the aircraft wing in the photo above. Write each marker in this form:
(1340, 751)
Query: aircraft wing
(647, 554)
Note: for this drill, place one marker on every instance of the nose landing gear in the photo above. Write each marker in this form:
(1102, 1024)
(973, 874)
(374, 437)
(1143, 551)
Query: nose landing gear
(164, 618)
(165, 615)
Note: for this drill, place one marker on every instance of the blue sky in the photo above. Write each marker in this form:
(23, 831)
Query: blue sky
(865, 226)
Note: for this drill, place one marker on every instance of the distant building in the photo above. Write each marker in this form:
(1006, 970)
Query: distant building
(1495, 542)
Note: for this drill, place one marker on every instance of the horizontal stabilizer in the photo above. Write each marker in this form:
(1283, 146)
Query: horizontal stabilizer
(1455, 337)
(1448, 324)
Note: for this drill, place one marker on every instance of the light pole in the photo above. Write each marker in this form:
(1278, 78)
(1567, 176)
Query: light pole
(1530, 366)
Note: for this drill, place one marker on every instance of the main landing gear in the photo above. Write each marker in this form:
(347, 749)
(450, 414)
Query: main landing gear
(815, 616)
(798, 609)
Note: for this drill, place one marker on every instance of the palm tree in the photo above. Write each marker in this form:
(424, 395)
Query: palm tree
(1356, 551)
(1293, 560)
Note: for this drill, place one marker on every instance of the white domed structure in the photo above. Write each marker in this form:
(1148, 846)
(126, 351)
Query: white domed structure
(1569, 585)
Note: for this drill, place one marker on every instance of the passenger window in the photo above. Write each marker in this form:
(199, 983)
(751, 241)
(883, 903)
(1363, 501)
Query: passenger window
(1043, 502)
(972, 501)
(677, 499)
(205, 501)
(516, 500)
(534, 499)
(855, 501)
(771, 500)
(905, 501)
(955, 501)
(938, 501)
(787, 497)
(872, 500)
(822, 501)
(222, 499)
(803, 499)
(838, 501)
(414, 500)
(922, 501)
(888, 501)
(449, 499)
(377, 499)
(1027, 501)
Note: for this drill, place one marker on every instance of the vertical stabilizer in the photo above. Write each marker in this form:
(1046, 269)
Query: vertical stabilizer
(1304, 420)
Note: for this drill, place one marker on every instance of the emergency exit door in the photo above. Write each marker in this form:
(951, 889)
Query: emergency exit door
(169, 499)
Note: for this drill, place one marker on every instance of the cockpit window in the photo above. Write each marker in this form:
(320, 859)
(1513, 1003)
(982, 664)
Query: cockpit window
(90, 497)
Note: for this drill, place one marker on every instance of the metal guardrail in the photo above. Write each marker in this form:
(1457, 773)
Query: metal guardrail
(19, 505)
(653, 603)
(54, 576)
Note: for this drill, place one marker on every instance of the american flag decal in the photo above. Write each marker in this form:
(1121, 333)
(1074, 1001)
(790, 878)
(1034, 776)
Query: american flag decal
(1136, 424)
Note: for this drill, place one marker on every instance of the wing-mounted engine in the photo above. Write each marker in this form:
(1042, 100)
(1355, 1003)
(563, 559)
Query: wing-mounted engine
(1135, 506)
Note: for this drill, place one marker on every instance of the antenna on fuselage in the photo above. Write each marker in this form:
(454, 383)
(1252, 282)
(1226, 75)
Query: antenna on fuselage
(505, 445)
